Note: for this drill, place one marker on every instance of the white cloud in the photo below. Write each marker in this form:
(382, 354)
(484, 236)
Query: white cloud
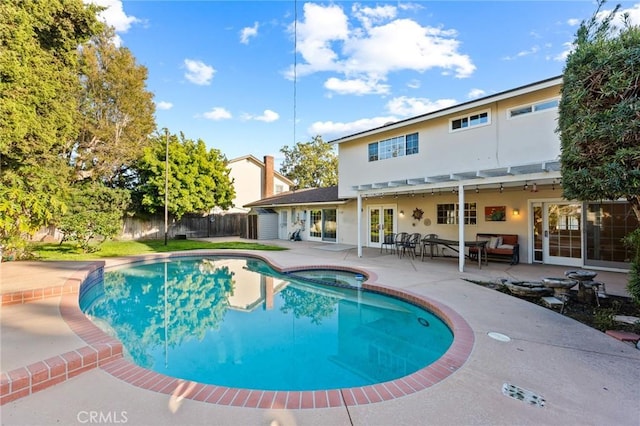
(562, 56)
(267, 116)
(475, 93)
(372, 15)
(114, 14)
(217, 113)
(164, 105)
(355, 86)
(414, 84)
(523, 53)
(198, 72)
(331, 130)
(381, 44)
(410, 107)
(633, 12)
(248, 32)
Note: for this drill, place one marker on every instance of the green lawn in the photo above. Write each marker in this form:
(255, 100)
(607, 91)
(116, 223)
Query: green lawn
(68, 251)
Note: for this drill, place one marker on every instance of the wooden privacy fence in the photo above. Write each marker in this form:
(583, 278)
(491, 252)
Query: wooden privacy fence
(215, 225)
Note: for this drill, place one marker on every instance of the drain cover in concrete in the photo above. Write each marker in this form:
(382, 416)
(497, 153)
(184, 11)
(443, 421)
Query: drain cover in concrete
(499, 336)
(518, 393)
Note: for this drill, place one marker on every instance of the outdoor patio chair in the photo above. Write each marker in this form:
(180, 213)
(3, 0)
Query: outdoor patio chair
(388, 241)
(411, 244)
(400, 240)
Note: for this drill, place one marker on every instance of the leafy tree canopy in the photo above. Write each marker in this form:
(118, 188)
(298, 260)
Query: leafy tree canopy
(39, 89)
(38, 74)
(95, 214)
(198, 179)
(312, 164)
(599, 120)
(116, 111)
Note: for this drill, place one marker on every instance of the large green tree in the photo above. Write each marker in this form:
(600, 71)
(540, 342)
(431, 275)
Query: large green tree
(311, 164)
(599, 120)
(116, 110)
(39, 90)
(599, 115)
(198, 178)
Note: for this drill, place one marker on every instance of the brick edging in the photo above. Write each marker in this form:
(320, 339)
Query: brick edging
(24, 381)
(40, 375)
(70, 286)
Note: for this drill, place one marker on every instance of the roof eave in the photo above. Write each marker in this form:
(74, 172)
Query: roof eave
(476, 103)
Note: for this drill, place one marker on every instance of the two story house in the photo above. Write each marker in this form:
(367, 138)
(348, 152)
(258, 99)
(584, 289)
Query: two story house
(487, 166)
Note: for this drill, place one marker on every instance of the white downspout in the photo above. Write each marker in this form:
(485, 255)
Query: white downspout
(359, 207)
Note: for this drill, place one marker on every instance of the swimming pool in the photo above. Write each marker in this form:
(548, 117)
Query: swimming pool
(237, 322)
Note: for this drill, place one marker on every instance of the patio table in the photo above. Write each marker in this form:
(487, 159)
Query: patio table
(454, 245)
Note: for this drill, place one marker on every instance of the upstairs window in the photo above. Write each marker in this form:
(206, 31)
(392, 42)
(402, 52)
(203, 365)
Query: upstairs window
(394, 147)
(529, 109)
(472, 120)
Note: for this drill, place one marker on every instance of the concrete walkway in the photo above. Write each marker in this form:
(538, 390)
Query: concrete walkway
(585, 376)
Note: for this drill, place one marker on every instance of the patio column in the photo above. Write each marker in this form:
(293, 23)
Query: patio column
(460, 227)
(359, 214)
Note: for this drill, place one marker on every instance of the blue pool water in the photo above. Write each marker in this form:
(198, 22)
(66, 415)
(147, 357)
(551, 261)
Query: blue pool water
(236, 322)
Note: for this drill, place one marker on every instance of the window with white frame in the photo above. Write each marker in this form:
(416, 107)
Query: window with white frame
(532, 108)
(394, 147)
(472, 120)
(447, 214)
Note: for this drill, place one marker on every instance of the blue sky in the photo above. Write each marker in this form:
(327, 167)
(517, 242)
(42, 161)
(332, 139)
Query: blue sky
(222, 71)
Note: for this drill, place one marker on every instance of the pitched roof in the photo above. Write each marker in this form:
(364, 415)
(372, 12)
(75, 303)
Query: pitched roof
(328, 195)
(260, 163)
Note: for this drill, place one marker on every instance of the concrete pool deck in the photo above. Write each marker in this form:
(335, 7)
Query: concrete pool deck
(585, 376)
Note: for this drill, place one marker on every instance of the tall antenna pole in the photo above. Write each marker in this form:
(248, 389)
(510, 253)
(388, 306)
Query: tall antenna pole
(166, 185)
(295, 65)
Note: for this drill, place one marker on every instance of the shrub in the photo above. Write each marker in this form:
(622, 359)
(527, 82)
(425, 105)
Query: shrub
(633, 241)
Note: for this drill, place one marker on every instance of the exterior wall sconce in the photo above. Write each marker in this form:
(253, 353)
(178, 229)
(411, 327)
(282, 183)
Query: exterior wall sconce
(516, 212)
(401, 213)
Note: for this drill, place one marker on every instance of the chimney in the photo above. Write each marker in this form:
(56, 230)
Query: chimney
(267, 181)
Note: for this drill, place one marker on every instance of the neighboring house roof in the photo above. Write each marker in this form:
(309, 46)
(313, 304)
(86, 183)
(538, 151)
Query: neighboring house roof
(261, 164)
(549, 82)
(328, 195)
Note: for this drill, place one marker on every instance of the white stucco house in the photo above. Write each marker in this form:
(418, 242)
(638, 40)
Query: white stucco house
(254, 179)
(491, 166)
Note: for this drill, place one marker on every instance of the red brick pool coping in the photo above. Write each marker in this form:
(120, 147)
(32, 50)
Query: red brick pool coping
(105, 352)
(24, 381)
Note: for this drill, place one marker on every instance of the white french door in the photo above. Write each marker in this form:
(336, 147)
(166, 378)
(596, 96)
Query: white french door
(562, 236)
(381, 222)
